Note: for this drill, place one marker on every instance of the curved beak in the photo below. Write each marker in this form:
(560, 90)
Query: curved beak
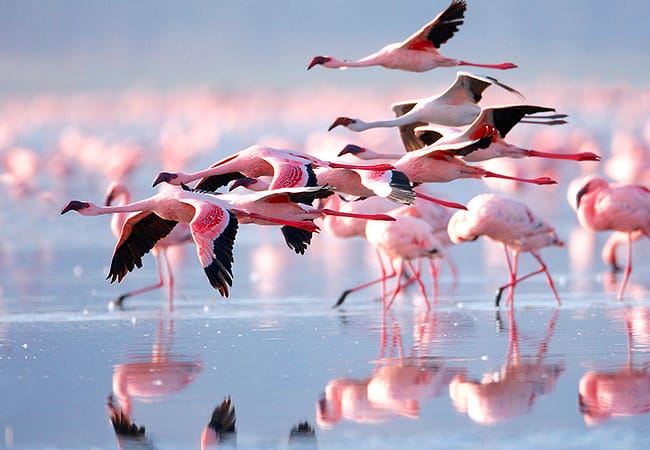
(579, 195)
(165, 177)
(343, 121)
(109, 198)
(318, 60)
(74, 205)
(352, 149)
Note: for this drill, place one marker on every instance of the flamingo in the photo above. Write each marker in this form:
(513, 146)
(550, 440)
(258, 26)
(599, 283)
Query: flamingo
(288, 168)
(419, 52)
(456, 106)
(498, 121)
(624, 208)
(126, 431)
(435, 164)
(180, 234)
(401, 241)
(221, 427)
(512, 224)
(213, 224)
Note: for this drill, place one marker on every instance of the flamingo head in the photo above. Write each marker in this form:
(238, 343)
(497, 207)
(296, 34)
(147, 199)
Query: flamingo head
(343, 121)
(76, 205)
(167, 177)
(116, 190)
(318, 60)
(352, 149)
(591, 185)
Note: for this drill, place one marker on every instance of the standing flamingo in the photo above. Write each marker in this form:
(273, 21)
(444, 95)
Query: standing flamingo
(419, 52)
(498, 121)
(512, 224)
(456, 106)
(434, 164)
(625, 208)
(288, 168)
(180, 234)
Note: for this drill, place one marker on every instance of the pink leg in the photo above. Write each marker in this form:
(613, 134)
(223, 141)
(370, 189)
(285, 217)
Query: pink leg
(158, 285)
(434, 278)
(502, 66)
(628, 268)
(332, 212)
(583, 156)
(170, 278)
(548, 276)
(420, 284)
(512, 276)
(400, 270)
(510, 301)
(539, 180)
(364, 285)
(440, 202)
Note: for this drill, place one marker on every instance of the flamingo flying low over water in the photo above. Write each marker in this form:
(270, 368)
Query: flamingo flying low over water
(419, 52)
(512, 224)
(456, 106)
(497, 121)
(288, 168)
(625, 208)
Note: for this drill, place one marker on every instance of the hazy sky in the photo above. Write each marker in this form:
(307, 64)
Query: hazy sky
(97, 45)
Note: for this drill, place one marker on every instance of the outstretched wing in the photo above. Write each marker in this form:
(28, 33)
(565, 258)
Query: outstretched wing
(139, 235)
(214, 229)
(440, 29)
(506, 117)
(407, 132)
(214, 182)
(297, 239)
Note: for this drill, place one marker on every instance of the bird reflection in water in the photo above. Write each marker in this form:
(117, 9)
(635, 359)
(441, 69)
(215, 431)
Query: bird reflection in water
(152, 377)
(397, 385)
(128, 434)
(624, 392)
(221, 428)
(511, 392)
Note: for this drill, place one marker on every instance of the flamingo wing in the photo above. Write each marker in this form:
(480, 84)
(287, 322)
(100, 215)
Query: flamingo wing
(139, 234)
(407, 132)
(506, 117)
(440, 29)
(214, 182)
(214, 229)
(297, 239)
(288, 173)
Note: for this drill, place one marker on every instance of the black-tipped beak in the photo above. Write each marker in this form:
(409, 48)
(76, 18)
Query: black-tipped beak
(109, 198)
(165, 177)
(579, 195)
(74, 205)
(352, 149)
(318, 60)
(242, 182)
(343, 121)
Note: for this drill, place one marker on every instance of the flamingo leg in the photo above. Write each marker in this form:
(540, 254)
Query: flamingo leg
(548, 276)
(510, 301)
(502, 66)
(420, 284)
(120, 300)
(363, 286)
(539, 180)
(439, 201)
(170, 278)
(434, 279)
(511, 273)
(628, 268)
(400, 270)
(542, 268)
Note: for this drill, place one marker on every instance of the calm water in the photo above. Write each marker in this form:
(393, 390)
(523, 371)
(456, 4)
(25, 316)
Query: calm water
(462, 375)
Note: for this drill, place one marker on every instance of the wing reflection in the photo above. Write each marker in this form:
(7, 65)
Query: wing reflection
(221, 428)
(128, 434)
(624, 392)
(152, 377)
(512, 391)
(397, 385)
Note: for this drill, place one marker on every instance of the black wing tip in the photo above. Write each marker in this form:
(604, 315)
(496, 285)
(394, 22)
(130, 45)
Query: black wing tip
(224, 417)
(297, 239)
(219, 271)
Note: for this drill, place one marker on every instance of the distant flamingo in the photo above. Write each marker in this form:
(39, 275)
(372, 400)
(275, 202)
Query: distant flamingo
(400, 242)
(625, 208)
(288, 168)
(419, 52)
(222, 426)
(437, 165)
(512, 224)
(498, 121)
(212, 221)
(180, 234)
(454, 107)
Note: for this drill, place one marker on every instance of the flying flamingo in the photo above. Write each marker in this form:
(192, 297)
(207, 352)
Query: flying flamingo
(222, 426)
(288, 168)
(213, 224)
(180, 234)
(400, 242)
(624, 208)
(435, 164)
(498, 121)
(512, 224)
(456, 106)
(419, 52)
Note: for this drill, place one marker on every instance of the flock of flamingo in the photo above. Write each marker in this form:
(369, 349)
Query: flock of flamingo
(381, 196)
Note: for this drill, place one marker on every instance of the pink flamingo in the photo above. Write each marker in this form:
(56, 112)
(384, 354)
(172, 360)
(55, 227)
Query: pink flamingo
(419, 52)
(625, 208)
(288, 168)
(512, 224)
(400, 242)
(456, 106)
(437, 165)
(222, 426)
(608, 254)
(180, 234)
(498, 121)
(213, 224)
